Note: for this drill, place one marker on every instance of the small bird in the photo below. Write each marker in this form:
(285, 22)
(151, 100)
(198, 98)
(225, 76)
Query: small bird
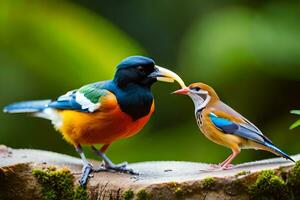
(224, 126)
(103, 112)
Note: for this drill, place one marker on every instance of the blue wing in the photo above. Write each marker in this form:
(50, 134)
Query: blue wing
(84, 99)
(66, 101)
(242, 130)
(245, 130)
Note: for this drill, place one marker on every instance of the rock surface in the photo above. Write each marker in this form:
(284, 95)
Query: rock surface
(157, 179)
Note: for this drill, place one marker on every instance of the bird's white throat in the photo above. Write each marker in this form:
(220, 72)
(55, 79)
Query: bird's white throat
(199, 101)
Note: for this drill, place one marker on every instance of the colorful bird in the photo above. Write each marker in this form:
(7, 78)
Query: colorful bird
(224, 126)
(103, 112)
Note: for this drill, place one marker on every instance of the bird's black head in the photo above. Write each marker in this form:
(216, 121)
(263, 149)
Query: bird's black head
(133, 78)
(136, 70)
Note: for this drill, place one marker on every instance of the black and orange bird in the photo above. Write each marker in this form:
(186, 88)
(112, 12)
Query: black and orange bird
(103, 112)
(224, 126)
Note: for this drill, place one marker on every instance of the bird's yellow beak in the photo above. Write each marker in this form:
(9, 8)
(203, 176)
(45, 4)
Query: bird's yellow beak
(165, 75)
(184, 91)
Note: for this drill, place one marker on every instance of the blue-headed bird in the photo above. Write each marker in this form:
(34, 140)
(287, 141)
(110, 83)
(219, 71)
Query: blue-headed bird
(103, 112)
(224, 126)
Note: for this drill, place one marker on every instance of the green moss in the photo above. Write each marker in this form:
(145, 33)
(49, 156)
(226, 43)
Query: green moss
(173, 184)
(269, 186)
(242, 173)
(293, 179)
(80, 193)
(178, 192)
(143, 195)
(58, 184)
(208, 183)
(128, 194)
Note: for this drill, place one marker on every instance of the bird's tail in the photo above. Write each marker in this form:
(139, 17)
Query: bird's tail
(37, 108)
(27, 106)
(278, 151)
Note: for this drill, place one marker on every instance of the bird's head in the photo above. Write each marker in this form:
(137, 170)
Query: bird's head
(141, 70)
(200, 93)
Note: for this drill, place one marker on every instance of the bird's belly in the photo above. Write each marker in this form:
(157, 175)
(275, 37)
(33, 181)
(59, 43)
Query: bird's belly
(99, 127)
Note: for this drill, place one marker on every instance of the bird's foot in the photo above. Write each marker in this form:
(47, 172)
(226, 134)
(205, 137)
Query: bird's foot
(215, 166)
(122, 167)
(86, 172)
(212, 167)
(220, 166)
(226, 167)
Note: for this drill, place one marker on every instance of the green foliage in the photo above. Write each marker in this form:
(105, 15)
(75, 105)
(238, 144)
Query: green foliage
(269, 186)
(58, 184)
(64, 42)
(297, 123)
(128, 194)
(240, 38)
(296, 112)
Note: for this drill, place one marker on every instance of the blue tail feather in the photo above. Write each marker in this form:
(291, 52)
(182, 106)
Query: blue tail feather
(27, 106)
(277, 150)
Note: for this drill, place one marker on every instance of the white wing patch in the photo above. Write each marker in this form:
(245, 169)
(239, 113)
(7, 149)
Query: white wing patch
(66, 96)
(51, 114)
(86, 103)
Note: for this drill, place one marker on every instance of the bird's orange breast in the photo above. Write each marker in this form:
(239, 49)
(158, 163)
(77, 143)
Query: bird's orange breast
(104, 126)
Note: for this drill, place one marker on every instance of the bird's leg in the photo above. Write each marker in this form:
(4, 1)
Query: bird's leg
(221, 164)
(226, 164)
(217, 166)
(104, 148)
(87, 168)
(107, 160)
(109, 165)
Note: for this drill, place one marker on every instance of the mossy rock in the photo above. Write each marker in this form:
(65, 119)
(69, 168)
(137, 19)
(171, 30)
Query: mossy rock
(80, 193)
(128, 194)
(269, 186)
(242, 173)
(58, 184)
(293, 180)
(143, 195)
(208, 183)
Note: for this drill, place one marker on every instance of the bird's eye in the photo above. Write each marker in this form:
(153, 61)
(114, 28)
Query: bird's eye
(196, 88)
(140, 68)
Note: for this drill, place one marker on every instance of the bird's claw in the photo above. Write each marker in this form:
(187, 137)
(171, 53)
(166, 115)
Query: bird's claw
(215, 166)
(230, 166)
(123, 164)
(122, 167)
(115, 166)
(86, 173)
(221, 167)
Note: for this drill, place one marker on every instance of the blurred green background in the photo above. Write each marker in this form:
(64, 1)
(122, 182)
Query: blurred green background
(249, 51)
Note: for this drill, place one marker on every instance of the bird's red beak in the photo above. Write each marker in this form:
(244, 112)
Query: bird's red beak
(182, 91)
